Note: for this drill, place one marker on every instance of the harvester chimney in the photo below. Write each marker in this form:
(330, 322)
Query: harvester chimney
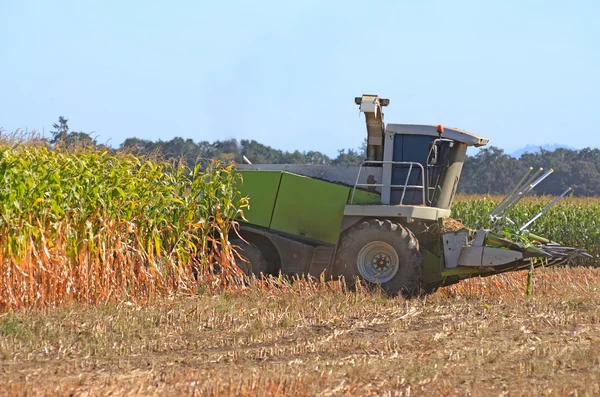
(371, 106)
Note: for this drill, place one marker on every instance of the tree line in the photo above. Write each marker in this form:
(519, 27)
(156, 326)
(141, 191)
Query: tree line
(232, 150)
(491, 170)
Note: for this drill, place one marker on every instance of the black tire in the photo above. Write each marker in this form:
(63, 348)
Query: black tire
(376, 235)
(253, 261)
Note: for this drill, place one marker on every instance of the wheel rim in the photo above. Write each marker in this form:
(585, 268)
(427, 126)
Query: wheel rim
(377, 262)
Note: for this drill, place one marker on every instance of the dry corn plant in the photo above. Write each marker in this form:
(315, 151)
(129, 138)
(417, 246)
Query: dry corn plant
(89, 226)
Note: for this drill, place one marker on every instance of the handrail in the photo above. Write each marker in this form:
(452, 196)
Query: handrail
(409, 164)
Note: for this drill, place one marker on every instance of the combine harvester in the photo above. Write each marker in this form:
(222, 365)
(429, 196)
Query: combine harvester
(385, 222)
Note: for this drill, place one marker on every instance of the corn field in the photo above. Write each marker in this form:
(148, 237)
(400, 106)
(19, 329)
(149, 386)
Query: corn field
(90, 226)
(81, 225)
(573, 221)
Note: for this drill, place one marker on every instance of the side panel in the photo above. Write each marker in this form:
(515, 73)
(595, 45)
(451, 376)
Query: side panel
(310, 208)
(295, 256)
(432, 267)
(344, 175)
(261, 187)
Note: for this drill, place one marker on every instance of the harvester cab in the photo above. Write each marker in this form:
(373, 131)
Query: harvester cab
(386, 221)
(420, 164)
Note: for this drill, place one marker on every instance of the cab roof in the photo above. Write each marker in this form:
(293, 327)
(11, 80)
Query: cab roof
(450, 133)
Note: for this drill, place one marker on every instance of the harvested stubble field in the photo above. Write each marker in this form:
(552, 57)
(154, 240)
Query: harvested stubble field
(481, 337)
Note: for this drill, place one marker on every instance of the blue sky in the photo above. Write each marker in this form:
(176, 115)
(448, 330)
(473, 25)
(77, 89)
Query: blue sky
(285, 74)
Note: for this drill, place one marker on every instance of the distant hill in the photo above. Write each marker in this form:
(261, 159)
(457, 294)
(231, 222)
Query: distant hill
(536, 149)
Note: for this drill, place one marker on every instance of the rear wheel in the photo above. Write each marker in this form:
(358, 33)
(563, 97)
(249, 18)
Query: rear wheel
(251, 259)
(381, 253)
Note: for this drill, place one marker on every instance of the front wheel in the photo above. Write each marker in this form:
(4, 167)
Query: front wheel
(381, 253)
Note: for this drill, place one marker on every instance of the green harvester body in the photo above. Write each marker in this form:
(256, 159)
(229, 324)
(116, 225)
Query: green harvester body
(383, 222)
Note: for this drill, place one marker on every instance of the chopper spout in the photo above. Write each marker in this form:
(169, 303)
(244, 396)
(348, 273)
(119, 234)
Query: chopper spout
(371, 106)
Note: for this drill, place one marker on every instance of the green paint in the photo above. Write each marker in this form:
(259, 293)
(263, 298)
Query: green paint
(432, 265)
(309, 208)
(537, 238)
(529, 281)
(298, 205)
(261, 187)
(363, 197)
(529, 251)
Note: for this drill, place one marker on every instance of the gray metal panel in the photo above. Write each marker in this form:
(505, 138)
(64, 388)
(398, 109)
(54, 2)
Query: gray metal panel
(388, 155)
(295, 256)
(487, 256)
(451, 176)
(451, 133)
(453, 243)
(349, 221)
(330, 173)
(397, 211)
